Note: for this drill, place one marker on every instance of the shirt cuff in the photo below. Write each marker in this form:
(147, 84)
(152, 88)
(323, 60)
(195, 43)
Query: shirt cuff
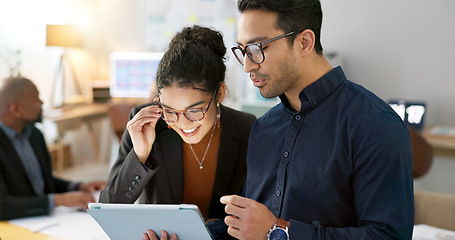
(74, 186)
(51, 202)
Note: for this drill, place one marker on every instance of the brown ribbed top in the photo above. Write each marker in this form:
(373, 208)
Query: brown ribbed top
(198, 183)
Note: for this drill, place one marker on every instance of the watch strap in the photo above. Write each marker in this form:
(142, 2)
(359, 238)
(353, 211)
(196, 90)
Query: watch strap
(282, 223)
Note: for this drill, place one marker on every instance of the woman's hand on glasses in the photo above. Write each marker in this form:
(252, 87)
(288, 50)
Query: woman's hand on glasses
(142, 130)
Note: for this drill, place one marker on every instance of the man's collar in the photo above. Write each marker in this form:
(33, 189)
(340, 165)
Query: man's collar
(11, 133)
(317, 91)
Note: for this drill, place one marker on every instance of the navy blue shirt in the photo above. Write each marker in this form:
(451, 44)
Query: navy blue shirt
(340, 168)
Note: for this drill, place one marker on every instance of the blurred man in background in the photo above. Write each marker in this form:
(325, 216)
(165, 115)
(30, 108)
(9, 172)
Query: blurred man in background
(27, 186)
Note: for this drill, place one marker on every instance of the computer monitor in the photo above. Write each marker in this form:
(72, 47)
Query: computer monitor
(412, 113)
(133, 73)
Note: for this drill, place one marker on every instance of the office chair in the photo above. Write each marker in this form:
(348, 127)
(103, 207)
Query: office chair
(423, 153)
(435, 209)
(119, 115)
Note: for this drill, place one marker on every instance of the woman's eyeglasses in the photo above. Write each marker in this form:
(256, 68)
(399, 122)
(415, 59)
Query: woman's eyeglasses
(254, 50)
(192, 114)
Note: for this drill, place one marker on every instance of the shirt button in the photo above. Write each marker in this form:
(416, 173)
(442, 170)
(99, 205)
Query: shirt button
(138, 178)
(286, 154)
(134, 183)
(131, 188)
(297, 117)
(278, 193)
(128, 194)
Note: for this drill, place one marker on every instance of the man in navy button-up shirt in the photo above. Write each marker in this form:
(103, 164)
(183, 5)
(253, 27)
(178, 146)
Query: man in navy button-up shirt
(332, 159)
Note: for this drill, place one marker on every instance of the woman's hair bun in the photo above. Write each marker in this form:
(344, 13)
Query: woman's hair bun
(203, 36)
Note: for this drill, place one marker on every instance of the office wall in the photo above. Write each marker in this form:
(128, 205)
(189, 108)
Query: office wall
(23, 28)
(398, 49)
(401, 50)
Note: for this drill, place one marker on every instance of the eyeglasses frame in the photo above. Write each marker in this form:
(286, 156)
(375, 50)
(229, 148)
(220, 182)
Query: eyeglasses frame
(157, 102)
(260, 48)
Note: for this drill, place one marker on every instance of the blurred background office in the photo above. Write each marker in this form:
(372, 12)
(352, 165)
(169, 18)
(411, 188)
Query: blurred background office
(400, 50)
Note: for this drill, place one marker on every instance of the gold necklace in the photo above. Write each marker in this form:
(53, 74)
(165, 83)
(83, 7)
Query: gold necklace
(206, 150)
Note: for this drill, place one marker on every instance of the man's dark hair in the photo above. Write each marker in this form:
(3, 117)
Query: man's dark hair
(293, 15)
(195, 58)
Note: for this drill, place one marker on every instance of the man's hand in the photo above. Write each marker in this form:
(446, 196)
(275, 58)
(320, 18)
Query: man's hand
(93, 186)
(247, 219)
(150, 235)
(73, 199)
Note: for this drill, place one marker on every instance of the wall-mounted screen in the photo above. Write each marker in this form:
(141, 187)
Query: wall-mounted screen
(133, 73)
(412, 113)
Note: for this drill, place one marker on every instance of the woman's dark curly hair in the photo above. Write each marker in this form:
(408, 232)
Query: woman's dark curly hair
(195, 58)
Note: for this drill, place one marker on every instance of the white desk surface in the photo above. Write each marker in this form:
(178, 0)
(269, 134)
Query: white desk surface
(440, 136)
(63, 224)
(426, 232)
(69, 224)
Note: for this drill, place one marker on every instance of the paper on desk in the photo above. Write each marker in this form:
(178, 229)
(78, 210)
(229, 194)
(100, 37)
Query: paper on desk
(426, 232)
(448, 131)
(65, 223)
(35, 224)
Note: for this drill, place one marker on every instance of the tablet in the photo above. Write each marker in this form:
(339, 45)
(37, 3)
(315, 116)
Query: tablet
(130, 221)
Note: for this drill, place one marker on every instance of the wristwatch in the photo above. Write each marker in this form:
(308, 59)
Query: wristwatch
(279, 230)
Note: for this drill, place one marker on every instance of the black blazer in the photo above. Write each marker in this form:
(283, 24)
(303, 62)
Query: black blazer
(161, 181)
(17, 196)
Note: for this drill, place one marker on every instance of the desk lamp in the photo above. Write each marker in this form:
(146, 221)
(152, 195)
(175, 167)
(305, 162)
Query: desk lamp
(65, 36)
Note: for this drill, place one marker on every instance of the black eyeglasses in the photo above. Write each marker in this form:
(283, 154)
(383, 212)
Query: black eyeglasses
(192, 114)
(254, 50)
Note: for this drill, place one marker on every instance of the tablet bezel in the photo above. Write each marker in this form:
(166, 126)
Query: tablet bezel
(130, 221)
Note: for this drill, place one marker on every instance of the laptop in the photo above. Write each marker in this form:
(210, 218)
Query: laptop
(131, 221)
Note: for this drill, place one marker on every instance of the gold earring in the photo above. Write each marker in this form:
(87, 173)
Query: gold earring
(218, 114)
(218, 111)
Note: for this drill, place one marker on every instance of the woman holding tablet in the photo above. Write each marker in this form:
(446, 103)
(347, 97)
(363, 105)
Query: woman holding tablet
(184, 146)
